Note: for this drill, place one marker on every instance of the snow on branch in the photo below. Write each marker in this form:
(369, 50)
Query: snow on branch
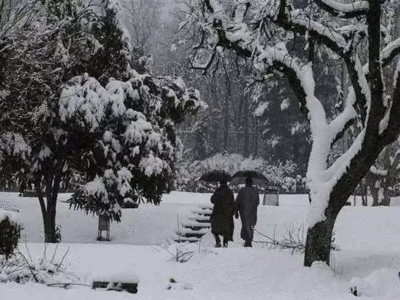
(390, 52)
(83, 94)
(378, 172)
(344, 10)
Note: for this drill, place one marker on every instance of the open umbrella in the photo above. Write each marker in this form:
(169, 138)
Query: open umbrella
(240, 177)
(216, 175)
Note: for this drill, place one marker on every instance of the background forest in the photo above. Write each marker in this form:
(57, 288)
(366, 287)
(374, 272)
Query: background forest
(242, 126)
(248, 123)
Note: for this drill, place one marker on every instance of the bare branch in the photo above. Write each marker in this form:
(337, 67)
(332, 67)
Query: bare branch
(316, 31)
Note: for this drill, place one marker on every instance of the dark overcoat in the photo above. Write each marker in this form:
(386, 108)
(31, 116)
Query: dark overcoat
(246, 204)
(223, 211)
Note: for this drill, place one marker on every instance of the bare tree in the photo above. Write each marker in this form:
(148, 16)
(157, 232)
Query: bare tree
(143, 20)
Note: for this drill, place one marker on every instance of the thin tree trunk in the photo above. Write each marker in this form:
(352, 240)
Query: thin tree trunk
(52, 189)
(239, 126)
(255, 137)
(246, 142)
(39, 192)
(226, 124)
(386, 197)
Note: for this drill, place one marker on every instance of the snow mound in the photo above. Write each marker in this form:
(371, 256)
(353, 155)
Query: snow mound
(121, 276)
(382, 282)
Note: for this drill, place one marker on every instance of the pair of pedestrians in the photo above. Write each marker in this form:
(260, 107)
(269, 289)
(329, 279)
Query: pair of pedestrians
(225, 207)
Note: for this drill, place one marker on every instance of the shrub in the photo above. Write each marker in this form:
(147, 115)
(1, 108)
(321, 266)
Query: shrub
(10, 232)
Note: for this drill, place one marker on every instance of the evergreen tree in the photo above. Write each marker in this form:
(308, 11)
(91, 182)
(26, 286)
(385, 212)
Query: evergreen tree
(62, 129)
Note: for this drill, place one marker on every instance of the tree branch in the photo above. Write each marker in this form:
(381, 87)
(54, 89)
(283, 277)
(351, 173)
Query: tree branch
(391, 133)
(316, 31)
(360, 86)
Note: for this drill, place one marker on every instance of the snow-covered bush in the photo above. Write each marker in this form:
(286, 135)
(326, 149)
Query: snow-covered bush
(10, 232)
(16, 269)
(45, 270)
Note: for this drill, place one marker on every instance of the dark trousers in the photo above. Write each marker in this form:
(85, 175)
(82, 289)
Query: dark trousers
(218, 241)
(247, 234)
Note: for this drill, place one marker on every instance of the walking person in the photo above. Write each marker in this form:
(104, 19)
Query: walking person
(246, 205)
(222, 214)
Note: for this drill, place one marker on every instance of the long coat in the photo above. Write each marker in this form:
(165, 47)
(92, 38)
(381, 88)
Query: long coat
(246, 204)
(222, 214)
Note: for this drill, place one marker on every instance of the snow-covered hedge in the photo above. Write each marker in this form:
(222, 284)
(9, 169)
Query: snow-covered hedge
(282, 174)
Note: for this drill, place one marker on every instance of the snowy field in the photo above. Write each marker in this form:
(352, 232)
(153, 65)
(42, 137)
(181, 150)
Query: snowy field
(367, 240)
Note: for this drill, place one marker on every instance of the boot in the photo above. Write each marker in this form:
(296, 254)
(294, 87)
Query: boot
(225, 242)
(217, 241)
(247, 244)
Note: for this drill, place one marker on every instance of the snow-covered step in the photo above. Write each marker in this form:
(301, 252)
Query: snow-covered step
(182, 239)
(187, 231)
(205, 212)
(205, 206)
(199, 217)
(196, 225)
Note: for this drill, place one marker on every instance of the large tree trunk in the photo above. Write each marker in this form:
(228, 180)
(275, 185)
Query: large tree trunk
(319, 242)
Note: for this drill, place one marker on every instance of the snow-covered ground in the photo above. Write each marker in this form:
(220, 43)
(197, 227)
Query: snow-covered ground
(367, 240)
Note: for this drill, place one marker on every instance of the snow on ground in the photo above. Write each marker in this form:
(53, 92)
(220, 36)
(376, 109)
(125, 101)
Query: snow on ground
(367, 239)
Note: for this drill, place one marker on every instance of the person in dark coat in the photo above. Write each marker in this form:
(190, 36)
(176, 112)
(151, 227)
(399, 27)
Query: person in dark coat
(246, 205)
(222, 214)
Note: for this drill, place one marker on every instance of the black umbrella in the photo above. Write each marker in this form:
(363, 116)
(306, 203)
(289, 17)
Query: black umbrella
(216, 175)
(240, 177)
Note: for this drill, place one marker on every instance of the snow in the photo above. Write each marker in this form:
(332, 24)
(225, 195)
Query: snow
(137, 130)
(89, 98)
(152, 165)
(45, 152)
(124, 177)
(96, 187)
(366, 238)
